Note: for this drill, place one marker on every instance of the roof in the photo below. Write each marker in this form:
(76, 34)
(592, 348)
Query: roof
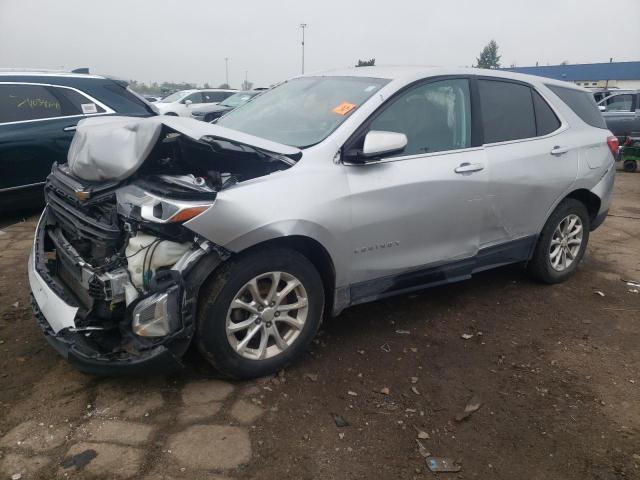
(15, 72)
(585, 71)
(406, 74)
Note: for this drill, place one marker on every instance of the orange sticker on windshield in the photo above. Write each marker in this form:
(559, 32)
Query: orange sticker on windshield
(344, 108)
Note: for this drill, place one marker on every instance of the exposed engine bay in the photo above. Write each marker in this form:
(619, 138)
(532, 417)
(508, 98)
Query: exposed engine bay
(117, 249)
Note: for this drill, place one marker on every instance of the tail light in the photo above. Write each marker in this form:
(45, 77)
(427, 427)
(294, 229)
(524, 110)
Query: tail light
(613, 144)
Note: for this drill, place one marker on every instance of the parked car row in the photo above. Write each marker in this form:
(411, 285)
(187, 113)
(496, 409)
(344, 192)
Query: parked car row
(621, 112)
(181, 103)
(323, 192)
(211, 112)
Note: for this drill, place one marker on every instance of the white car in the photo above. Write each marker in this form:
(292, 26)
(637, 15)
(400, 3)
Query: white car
(180, 103)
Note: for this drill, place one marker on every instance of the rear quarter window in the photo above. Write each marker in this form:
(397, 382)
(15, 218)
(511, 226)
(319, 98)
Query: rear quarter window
(507, 111)
(582, 104)
(123, 101)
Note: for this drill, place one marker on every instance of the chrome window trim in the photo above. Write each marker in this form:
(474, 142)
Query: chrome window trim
(21, 186)
(107, 110)
(415, 156)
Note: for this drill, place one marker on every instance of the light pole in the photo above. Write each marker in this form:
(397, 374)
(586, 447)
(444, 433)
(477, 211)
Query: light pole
(303, 26)
(226, 70)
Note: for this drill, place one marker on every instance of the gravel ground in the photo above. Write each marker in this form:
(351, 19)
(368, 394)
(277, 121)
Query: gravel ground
(555, 370)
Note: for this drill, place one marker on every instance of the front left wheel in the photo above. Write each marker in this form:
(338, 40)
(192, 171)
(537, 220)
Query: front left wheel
(259, 312)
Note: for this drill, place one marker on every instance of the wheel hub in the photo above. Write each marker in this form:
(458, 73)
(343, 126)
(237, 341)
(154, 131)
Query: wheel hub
(267, 315)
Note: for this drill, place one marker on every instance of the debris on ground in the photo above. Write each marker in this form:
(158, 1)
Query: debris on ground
(310, 376)
(16, 476)
(598, 292)
(352, 393)
(632, 283)
(403, 332)
(385, 347)
(15, 305)
(339, 420)
(473, 405)
(384, 391)
(422, 435)
(437, 464)
(423, 451)
(466, 336)
(415, 390)
(413, 379)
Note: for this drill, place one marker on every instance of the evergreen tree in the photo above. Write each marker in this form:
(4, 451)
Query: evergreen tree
(366, 63)
(489, 57)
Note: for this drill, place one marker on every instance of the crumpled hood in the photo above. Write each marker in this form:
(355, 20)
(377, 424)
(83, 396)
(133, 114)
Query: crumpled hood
(113, 148)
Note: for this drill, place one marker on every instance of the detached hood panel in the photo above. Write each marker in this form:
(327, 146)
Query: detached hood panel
(113, 148)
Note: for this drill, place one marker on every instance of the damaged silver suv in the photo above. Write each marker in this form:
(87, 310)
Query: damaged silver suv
(324, 192)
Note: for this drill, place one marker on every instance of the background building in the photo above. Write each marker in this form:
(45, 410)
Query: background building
(594, 75)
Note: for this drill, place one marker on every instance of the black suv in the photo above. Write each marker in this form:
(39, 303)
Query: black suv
(38, 116)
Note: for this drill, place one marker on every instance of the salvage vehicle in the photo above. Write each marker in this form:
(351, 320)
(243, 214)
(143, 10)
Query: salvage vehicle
(324, 192)
(180, 103)
(39, 112)
(621, 112)
(209, 113)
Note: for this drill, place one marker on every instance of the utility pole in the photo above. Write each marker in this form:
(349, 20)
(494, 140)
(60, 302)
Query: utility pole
(226, 69)
(303, 26)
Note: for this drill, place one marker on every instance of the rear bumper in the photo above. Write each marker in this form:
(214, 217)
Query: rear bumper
(604, 191)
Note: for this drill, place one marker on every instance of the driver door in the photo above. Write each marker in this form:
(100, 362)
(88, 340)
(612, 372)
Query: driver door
(416, 214)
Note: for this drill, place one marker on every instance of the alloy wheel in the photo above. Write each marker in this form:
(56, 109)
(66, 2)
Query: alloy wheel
(267, 315)
(566, 242)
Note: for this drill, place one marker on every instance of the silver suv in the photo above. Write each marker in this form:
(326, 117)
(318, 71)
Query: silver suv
(324, 192)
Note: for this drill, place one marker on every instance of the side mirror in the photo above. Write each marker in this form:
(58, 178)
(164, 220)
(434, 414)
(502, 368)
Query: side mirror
(602, 108)
(188, 102)
(378, 143)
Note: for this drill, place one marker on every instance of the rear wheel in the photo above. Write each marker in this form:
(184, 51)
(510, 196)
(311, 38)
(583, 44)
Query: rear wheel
(630, 166)
(562, 243)
(259, 313)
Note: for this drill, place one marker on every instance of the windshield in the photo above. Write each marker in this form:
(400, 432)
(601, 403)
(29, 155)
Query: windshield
(302, 111)
(174, 97)
(237, 99)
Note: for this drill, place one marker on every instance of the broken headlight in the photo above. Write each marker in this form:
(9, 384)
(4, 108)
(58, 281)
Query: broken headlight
(157, 315)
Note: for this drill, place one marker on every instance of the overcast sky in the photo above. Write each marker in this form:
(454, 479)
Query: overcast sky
(188, 40)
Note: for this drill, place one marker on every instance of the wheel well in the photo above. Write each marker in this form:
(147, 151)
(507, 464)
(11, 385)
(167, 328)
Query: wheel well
(589, 199)
(316, 254)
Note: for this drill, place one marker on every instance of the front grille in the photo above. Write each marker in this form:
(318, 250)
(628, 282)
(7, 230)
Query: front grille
(92, 227)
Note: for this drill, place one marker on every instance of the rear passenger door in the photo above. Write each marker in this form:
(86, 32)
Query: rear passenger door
(531, 163)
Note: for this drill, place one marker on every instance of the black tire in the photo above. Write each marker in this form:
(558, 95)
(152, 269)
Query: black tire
(540, 266)
(218, 293)
(630, 166)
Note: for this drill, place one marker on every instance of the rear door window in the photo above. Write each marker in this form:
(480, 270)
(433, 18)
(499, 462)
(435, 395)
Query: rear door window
(582, 104)
(27, 102)
(507, 111)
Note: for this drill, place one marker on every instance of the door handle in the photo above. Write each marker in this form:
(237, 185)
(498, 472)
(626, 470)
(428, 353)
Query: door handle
(72, 128)
(469, 167)
(559, 150)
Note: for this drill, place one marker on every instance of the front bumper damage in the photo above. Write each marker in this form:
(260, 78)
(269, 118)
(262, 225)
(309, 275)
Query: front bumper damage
(69, 325)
